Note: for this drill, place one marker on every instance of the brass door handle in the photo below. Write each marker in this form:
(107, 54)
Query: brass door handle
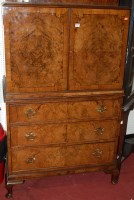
(30, 113)
(99, 130)
(30, 136)
(97, 153)
(101, 108)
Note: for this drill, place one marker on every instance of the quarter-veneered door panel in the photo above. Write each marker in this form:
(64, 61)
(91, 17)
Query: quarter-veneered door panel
(36, 40)
(98, 48)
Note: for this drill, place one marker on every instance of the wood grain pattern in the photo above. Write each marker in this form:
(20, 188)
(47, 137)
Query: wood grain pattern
(37, 45)
(41, 112)
(64, 133)
(98, 48)
(55, 157)
(64, 111)
(89, 110)
(64, 85)
(44, 97)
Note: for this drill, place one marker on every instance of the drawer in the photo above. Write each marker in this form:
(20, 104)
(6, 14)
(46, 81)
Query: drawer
(94, 109)
(65, 111)
(64, 133)
(38, 113)
(63, 156)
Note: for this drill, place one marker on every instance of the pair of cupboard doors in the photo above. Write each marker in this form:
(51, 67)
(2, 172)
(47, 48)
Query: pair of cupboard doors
(65, 49)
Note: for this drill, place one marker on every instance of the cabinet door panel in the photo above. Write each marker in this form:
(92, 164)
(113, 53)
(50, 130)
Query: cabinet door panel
(36, 40)
(98, 48)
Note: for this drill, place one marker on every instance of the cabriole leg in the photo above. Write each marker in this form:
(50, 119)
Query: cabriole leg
(115, 176)
(9, 188)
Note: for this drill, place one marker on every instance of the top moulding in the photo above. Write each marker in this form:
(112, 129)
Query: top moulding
(89, 2)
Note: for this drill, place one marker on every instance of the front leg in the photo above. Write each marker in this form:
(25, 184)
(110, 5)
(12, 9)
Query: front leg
(9, 188)
(115, 176)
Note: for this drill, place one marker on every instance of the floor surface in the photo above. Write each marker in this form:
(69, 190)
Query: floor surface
(90, 186)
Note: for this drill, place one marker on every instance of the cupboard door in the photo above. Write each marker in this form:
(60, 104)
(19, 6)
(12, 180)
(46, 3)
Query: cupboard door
(98, 48)
(36, 40)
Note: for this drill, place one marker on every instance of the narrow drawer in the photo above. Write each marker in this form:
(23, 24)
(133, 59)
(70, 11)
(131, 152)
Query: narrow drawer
(38, 113)
(65, 156)
(65, 111)
(94, 109)
(64, 133)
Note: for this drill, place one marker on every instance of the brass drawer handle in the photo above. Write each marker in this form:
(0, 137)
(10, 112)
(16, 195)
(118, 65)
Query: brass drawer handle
(30, 113)
(101, 108)
(31, 160)
(30, 136)
(97, 153)
(99, 131)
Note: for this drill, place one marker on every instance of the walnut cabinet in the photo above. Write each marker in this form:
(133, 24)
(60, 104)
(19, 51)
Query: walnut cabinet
(64, 87)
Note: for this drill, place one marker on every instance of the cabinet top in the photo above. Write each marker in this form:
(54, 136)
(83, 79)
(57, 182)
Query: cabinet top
(64, 2)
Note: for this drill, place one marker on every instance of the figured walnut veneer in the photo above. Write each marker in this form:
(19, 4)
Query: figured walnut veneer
(43, 59)
(64, 78)
(37, 40)
(64, 111)
(64, 133)
(66, 156)
(98, 49)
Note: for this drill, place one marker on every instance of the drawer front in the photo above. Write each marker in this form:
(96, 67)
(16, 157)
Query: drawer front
(94, 109)
(65, 111)
(66, 156)
(64, 133)
(38, 112)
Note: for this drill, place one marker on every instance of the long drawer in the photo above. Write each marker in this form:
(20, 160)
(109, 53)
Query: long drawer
(32, 158)
(64, 133)
(65, 111)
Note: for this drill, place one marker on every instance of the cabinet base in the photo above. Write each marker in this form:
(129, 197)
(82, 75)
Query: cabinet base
(9, 184)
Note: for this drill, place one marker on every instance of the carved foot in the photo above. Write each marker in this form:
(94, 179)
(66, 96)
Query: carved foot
(9, 191)
(115, 177)
(8, 195)
(9, 187)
